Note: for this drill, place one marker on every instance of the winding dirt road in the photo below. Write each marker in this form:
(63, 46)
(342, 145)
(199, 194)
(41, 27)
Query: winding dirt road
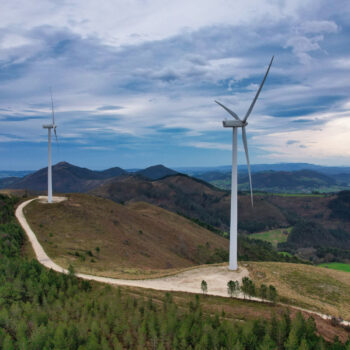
(188, 281)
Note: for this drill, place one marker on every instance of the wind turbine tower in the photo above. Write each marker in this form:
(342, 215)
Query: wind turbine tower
(235, 124)
(49, 127)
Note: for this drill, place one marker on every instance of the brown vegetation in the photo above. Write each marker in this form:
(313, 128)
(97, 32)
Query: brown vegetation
(310, 287)
(101, 237)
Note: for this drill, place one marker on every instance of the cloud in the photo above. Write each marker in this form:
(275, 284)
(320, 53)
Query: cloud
(331, 141)
(96, 148)
(109, 108)
(126, 76)
(291, 142)
(319, 27)
(210, 145)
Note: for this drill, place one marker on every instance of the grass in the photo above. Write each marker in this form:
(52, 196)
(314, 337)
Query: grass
(311, 287)
(286, 254)
(138, 240)
(273, 236)
(337, 266)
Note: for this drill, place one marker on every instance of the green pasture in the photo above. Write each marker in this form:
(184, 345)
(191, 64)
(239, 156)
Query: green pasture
(273, 236)
(337, 266)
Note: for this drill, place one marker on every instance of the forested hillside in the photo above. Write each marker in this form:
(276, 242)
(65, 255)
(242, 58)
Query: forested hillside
(41, 309)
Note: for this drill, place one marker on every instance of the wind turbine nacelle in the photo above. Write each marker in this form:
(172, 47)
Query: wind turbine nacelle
(233, 124)
(48, 126)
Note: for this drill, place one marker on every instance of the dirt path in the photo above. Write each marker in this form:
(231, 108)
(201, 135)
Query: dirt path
(188, 281)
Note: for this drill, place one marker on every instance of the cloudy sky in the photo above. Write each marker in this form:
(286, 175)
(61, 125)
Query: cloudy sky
(134, 82)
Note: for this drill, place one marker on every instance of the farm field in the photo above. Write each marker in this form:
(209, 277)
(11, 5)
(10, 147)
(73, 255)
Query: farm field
(337, 266)
(273, 236)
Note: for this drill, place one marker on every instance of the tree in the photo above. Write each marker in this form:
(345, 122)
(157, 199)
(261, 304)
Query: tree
(304, 345)
(272, 293)
(267, 343)
(8, 343)
(248, 287)
(71, 271)
(204, 287)
(263, 292)
(232, 287)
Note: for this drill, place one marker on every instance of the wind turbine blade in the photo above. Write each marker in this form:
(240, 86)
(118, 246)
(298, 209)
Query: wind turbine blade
(234, 115)
(52, 109)
(245, 143)
(54, 130)
(258, 92)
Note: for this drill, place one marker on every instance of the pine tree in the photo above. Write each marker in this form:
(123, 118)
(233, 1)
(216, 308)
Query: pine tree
(116, 344)
(304, 345)
(267, 343)
(232, 288)
(92, 343)
(292, 342)
(60, 338)
(8, 343)
(263, 292)
(272, 293)
(204, 287)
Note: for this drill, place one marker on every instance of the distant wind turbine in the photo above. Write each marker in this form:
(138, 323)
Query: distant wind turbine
(234, 124)
(49, 127)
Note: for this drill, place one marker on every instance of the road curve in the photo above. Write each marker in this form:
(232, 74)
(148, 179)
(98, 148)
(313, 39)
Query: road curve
(188, 281)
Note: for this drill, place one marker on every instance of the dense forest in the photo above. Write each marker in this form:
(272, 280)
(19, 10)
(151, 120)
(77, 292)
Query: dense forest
(340, 206)
(41, 309)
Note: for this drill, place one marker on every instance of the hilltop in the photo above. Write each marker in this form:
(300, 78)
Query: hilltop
(156, 172)
(65, 178)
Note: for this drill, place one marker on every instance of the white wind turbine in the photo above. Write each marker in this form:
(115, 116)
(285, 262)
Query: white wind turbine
(234, 124)
(49, 127)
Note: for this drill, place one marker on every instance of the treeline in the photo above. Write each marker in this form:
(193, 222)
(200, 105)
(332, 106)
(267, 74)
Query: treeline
(42, 309)
(248, 288)
(258, 250)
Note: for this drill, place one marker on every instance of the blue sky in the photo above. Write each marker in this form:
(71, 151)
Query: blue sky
(135, 81)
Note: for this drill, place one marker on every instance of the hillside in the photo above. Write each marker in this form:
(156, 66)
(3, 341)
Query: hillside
(311, 287)
(287, 181)
(7, 182)
(293, 288)
(79, 314)
(66, 178)
(193, 198)
(99, 236)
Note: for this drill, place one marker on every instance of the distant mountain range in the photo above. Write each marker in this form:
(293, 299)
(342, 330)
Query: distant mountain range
(299, 181)
(281, 178)
(70, 178)
(194, 171)
(14, 173)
